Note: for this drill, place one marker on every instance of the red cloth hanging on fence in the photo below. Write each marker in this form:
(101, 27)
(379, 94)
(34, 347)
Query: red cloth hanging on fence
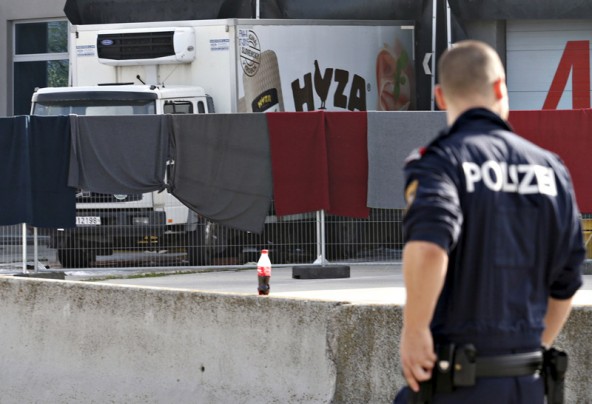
(347, 148)
(299, 161)
(568, 133)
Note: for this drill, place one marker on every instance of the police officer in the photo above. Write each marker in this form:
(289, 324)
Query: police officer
(493, 247)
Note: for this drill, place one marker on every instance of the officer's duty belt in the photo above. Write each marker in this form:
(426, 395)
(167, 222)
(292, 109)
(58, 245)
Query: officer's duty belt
(512, 365)
(459, 366)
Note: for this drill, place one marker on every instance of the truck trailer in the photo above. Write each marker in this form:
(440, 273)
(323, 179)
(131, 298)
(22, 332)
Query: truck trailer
(215, 66)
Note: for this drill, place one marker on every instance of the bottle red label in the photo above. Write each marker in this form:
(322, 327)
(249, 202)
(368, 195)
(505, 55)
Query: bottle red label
(264, 270)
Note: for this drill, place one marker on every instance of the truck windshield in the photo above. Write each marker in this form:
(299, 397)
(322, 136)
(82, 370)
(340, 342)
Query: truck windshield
(94, 107)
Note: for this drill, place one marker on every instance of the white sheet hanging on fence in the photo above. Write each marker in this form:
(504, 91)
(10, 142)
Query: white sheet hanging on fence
(119, 154)
(392, 136)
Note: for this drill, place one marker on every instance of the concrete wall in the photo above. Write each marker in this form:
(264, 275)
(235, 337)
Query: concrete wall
(15, 10)
(72, 342)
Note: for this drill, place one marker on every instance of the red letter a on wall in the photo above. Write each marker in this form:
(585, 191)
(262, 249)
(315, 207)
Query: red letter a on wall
(575, 58)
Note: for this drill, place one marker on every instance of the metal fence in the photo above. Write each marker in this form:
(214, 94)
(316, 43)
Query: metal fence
(102, 240)
(298, 239)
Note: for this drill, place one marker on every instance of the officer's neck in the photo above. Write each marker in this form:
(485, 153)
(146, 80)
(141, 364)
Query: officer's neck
(497, 104)
(454, 110)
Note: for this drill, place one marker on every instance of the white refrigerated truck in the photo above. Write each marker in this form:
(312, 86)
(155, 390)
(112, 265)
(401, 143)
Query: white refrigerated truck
(208, 66)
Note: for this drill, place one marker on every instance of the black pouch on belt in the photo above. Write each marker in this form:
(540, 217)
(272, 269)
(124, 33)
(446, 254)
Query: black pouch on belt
(441, 380)
(465, 368)
(443, 371)
(554, 368)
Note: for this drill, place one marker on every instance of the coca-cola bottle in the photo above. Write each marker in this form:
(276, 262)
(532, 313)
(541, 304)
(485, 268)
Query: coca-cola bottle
(263, 273)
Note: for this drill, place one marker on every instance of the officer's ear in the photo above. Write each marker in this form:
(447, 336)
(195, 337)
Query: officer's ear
(499, 88)
(440, 101)
(500, 91)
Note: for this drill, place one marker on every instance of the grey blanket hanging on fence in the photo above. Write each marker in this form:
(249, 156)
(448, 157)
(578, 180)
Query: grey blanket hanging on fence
(14, 171)
(53, 201)
(222, 167)
(119, 154)
(392, 136)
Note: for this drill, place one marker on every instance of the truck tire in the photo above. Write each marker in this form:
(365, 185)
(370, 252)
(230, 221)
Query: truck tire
(75, 258)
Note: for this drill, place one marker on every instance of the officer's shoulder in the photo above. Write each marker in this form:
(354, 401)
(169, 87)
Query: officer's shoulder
(529, 147)
(421, 153)
(415, 155)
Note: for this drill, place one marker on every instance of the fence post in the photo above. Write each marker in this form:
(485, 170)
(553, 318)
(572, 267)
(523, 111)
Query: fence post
(35, 250)
(321, 239)
(24, 243)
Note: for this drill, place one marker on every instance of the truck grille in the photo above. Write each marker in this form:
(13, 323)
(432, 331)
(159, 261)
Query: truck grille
(93, 197)
(138, 45)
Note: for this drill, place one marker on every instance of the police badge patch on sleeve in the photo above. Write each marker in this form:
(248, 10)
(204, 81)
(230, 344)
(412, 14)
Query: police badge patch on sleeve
(410, 192)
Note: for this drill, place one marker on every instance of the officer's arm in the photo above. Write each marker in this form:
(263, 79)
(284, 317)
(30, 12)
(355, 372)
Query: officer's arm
(557, 313)
(424, 269)
(569, 279)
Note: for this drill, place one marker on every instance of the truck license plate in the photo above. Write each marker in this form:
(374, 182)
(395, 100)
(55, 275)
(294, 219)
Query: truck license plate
(88, 220)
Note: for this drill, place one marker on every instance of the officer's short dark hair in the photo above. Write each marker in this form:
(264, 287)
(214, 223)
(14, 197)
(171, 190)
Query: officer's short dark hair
(469, 68)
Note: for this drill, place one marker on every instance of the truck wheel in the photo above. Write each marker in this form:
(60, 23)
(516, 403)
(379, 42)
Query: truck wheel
(75, 258)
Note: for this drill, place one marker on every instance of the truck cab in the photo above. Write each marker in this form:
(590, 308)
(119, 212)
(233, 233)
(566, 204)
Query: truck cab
(125, 99)
(103, 221)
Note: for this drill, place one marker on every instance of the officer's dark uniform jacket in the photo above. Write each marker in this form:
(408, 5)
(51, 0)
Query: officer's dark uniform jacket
(504, 209)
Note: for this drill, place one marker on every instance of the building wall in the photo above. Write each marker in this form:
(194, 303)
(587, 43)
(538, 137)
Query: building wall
(11, 11)
(549, 64)
(491, 32)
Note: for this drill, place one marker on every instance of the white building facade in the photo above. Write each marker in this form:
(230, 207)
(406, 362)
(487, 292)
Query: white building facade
(33, 50)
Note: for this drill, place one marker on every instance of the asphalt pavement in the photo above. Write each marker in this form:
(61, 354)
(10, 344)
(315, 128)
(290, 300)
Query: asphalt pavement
(367, 284)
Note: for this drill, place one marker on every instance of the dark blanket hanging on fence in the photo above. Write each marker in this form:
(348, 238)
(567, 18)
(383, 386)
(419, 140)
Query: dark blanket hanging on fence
(119, 154)
(14, 171)
(53, 201)
(34, 167)
(348, 163)
(222, 167)
(299, 161)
